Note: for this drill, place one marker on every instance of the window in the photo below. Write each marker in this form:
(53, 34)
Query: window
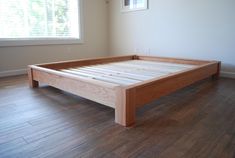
(35, 22)
(133, 5)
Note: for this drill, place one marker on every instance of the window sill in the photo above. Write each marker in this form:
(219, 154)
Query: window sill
(39, 41)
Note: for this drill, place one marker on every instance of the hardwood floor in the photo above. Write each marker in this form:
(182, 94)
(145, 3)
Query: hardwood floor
(198, 121)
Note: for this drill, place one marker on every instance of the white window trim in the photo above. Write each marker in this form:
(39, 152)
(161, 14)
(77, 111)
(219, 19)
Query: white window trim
(4, 42)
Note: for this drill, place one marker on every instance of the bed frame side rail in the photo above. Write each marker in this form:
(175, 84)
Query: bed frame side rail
(85, 62)
(142, 93)
(101, 92)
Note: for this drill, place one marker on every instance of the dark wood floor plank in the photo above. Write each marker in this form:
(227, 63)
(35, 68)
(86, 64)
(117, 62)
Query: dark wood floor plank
(197, 121)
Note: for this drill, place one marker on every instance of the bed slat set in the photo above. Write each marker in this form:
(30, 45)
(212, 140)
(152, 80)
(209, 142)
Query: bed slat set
(127, 72)
(123, 83)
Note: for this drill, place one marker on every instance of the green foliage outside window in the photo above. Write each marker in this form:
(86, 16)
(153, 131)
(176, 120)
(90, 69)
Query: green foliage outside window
(34, 18)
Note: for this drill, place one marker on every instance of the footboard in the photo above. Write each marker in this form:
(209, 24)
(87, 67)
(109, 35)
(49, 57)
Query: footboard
(101, 92)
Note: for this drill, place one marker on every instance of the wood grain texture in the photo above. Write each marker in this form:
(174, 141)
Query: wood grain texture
(32, 82)
(100, 94)
(121, 93)
(173, 60)
(84, 62)
(165, 85)
(117, 71)
(125, 107)
(217, 75)
(197, 121)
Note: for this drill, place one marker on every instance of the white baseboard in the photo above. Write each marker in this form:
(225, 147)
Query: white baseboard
(13, 72)
(227, 74)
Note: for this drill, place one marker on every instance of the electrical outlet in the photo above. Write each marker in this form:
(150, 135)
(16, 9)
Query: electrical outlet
(139, 51)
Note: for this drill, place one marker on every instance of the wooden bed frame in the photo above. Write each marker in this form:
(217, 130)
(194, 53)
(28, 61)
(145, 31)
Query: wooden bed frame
(124, 98)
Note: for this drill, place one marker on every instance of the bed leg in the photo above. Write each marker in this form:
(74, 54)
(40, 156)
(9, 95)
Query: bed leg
(32, 83)
(217, 75)
(125, 107)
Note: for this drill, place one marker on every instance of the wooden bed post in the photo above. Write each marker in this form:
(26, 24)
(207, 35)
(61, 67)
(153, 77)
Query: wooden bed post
(216, 76)
(125, 107)
(32, 83)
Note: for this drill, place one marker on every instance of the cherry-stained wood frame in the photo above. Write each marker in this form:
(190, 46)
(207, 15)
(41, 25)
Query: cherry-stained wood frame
(124, 99)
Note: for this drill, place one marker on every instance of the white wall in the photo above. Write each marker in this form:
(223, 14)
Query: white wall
(199, 29)
(13, 59)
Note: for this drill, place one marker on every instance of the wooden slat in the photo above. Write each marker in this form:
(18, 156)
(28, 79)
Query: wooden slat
(162, 69)
(131, 70)
(96, 77)
(147, 68)
(119, 72)
(126, 72)
(95, 73)
(75, 77)
(115, 73)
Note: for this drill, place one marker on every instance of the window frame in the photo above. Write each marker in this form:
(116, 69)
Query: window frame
(4, 42)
